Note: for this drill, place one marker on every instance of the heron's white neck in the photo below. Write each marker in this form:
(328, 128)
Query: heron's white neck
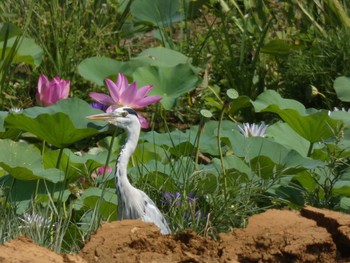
(128, 149)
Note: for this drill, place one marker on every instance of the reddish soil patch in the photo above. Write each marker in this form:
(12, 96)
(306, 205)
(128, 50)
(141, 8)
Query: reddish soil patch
(279, 236)
(313, 235)
(136, 241)
(25, 251)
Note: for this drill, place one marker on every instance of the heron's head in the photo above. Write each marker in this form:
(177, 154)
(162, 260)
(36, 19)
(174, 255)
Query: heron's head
(123, 117)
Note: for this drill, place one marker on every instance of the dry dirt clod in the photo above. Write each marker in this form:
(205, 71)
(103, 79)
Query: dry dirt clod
(279, 236)
(337, 224)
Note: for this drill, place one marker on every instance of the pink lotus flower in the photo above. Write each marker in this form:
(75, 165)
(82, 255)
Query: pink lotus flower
(101, 170)
(49, 92)
(123, 94)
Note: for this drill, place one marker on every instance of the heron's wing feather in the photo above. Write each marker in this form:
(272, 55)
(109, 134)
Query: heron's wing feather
(152, 214)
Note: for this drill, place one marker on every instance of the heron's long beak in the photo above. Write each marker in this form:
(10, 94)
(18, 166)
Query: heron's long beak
(103, 116)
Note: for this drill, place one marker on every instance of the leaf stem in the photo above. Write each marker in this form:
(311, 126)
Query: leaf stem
(310, 149)
(220, 150)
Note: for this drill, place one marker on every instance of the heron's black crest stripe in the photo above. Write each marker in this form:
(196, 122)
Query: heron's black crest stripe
(130, 111)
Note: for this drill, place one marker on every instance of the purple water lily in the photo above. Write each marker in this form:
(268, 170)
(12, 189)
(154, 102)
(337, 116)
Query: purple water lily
(49, 92)
(124, 94)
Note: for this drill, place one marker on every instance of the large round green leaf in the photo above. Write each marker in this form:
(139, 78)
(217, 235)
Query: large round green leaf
(313, 125)
(22, 193)
(96, 69)
(342, 88)
(255, 147)
(23, 161)
(103, 200)
(285, 135)
(7, 133)
(27, 52)
(158, 12)
(171, 139)
(61, 124)
(271, 97)
(168, 82)
(160, 56)
(8, 30)
(73, 165)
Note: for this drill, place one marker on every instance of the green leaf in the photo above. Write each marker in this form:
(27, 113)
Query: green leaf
(158, 12)
(146, 152)
(209, 137)
(342, 188)
(278, 47)
(152, 166)
(342, 88)
(314, 126)
(171, 139)
(239, 103)
(288, 192)
(60, 124)
(345, 203)
(283, 134)
(255, 147)
(8, 30)
(306, 180)
(104, 200)
(232, 162)
(74, 165)
(232, 94)
(27, 51)
(205, 113)
(206, 183)
(159, 56)
(7, 133)
(96, 69)
(23, 161)
(22, 193)
(271, 97)
(166, 81)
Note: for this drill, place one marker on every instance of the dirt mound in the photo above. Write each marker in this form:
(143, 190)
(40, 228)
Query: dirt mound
(25, 251)
(279, 236)
(312, 235)
(136, 241)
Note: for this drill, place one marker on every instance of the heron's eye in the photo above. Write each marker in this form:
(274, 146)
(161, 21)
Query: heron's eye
(124, 113)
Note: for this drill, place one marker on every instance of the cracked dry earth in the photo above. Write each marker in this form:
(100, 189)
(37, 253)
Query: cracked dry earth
(311, 235)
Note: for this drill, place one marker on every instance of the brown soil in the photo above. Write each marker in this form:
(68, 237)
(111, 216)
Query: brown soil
(312, 235)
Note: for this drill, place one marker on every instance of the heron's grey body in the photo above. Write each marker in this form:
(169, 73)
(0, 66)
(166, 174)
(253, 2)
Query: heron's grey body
(132, 202)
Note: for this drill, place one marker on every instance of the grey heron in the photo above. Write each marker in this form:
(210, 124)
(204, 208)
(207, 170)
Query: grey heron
(132, 202)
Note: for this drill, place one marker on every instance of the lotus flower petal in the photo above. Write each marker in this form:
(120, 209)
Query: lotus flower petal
(49, 92)
(129, 95)
(147, 101)
(123, 94)
(122, 83)
(102, 98)
(142, 92)
(144, 123)
(113, 90)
